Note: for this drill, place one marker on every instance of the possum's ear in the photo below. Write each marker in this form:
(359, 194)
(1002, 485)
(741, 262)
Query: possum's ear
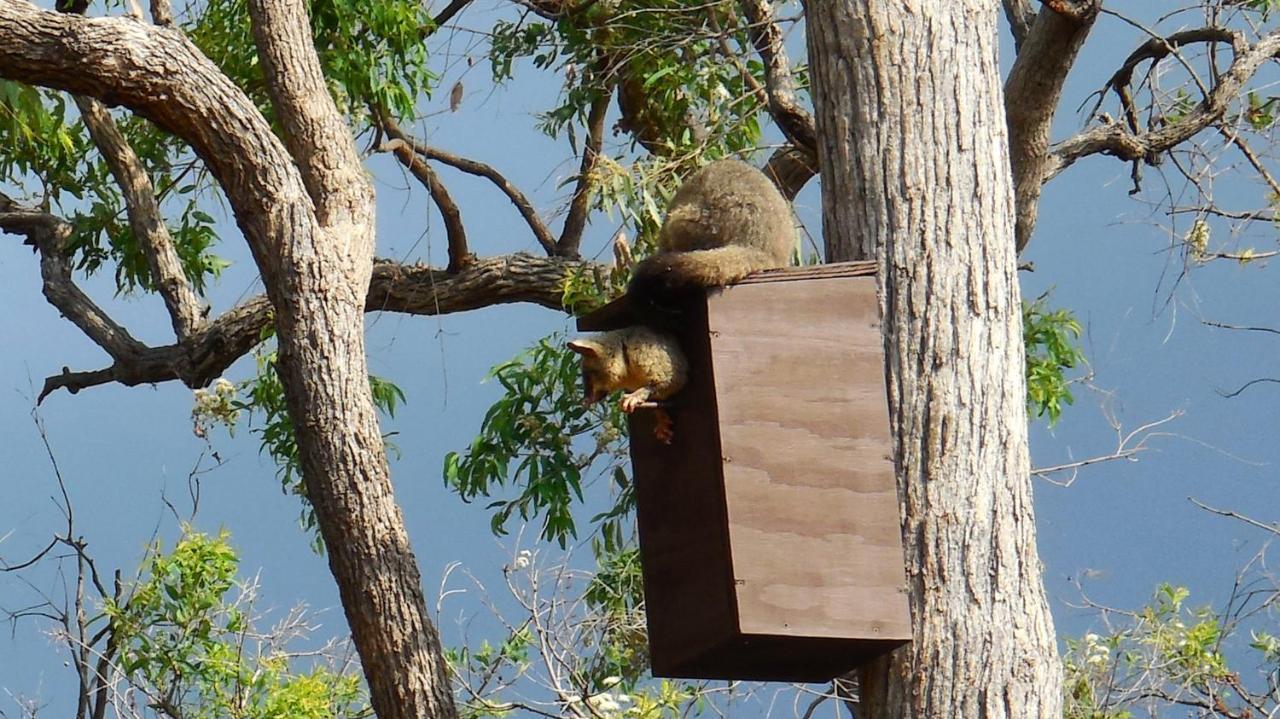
(586, 348)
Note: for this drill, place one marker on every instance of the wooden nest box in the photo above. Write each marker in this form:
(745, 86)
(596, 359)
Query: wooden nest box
(769, 530)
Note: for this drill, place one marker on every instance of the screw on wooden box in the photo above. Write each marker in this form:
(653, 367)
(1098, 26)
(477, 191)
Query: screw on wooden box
(769, 528)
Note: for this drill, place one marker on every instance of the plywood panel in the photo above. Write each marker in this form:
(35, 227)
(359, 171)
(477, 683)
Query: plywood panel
(809, 490)
(684, 540)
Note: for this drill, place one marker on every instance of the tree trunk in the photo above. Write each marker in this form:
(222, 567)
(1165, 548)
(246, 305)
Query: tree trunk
(914, 163)
(319, 301)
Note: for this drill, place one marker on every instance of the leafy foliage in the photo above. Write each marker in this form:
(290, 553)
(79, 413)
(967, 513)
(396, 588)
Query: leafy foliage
(41, 140)
(52, 158)
(192, 649)
(616, 595)
(1169, 654)
(677, 65)
(1266, 7)
(372, 53)
(1049, 336)
(527, 440)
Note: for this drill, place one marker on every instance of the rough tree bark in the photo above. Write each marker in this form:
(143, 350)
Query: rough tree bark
(913, 152)
(306, 210)
(1032, 92)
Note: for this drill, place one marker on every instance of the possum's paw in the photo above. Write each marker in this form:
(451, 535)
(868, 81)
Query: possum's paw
(663, 427)
(635, 400)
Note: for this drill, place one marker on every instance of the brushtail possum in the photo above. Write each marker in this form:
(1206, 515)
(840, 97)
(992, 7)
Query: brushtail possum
(725, 222)
(646, 363)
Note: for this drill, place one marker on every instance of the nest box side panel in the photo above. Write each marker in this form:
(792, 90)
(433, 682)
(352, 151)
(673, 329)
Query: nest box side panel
(809, 484)
(681, 519)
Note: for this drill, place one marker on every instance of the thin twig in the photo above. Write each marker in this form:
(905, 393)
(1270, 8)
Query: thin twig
(1274, 527)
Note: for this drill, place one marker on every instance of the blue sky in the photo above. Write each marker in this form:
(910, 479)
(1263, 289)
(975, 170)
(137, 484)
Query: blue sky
(1120, 528)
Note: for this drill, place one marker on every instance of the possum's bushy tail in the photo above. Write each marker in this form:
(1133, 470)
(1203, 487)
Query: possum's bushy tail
(669, 273)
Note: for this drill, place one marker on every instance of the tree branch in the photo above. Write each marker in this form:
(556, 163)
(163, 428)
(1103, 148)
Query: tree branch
(549, 9)
(1032, 93)
(576, 221)
(444, 16)
(1157, 48)
(1020, 15)
(141, 205)
(1251, 157)
(504, 279)
(394, 287)
(647, 123)
(145, 218)
(479, 169)
(1273, 527)
(791, 168)
(196, 362)
(317, 136)
(793, 119)
(161, 12)
(160, 75)
(459, 255)
(48, 235)
(1130, 144)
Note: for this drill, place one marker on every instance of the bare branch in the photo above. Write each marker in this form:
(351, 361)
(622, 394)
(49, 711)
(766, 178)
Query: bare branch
(1249, 216)
(506, 279)
(793, 119)
(1251, 157)
(1239, 256)
(1032, 93)
(145, 218)
(5, 567)
(49, 235)
(317, 136)
(479, 169)
(1020, 15)
(1273, 527)
(394, 287)
(1157, 48)
(1247, 385)
(554, 9)
(73, 382)
(813, 705)
(576, 221)
(1128, 446)
(1129, 144)
(1246, 328)
(162, 12)
(203, 357)
(459, 255)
